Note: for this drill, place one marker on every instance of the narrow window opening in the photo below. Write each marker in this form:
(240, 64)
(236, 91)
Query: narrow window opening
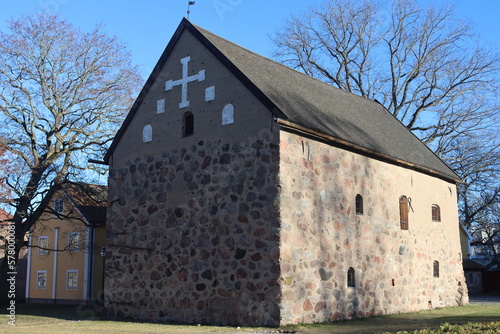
(436, 213)
(436, 269)
(359, 204)
(188, 128)
(351, 279)
(403, 212)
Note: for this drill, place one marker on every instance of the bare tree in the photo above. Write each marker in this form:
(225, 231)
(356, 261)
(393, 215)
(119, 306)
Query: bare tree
(63, 92)
(427, 67)
(424, 65)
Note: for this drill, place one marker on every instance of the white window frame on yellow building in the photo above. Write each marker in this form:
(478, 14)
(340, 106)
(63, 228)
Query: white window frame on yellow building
(74, 245)
(38, 285)
(71, 280)
(43, 249)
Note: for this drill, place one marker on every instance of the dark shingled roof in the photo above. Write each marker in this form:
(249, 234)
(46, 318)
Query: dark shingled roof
(313, 104)
(90, 200)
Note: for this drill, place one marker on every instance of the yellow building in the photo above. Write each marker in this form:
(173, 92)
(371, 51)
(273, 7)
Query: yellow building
(64, 262)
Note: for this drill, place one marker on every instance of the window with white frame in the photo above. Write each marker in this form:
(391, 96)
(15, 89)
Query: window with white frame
(41, 279)
(59, 205)
(74, 242)
(43, 245)
(71, 279)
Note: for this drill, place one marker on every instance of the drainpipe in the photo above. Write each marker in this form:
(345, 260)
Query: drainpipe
(90, 267)
(28, 269)
(56, 254)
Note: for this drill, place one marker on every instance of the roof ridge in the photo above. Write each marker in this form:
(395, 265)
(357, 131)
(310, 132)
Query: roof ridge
(203, 31)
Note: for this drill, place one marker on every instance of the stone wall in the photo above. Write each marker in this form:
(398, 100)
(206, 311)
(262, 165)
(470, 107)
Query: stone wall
(193, 235)
(263, 232)
(322, 236)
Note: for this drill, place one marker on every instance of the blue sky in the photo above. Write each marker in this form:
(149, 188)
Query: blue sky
(146, 26)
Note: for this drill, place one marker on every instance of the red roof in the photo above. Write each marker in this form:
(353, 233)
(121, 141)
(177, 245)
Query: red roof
(4, 217)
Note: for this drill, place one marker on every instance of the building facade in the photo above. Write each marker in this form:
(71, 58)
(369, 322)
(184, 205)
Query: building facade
(242, 192)
(64, 262)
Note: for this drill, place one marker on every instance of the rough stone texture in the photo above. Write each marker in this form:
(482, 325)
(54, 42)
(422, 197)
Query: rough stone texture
(322, 237)
(263, 232)
(193, 235)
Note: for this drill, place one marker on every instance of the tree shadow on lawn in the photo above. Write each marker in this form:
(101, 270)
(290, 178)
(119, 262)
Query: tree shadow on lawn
(378, 324)
(430, 319)
(89, 312)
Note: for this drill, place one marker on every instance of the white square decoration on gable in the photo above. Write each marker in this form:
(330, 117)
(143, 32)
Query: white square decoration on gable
(210, 94)
(160, 106)
(183, 82)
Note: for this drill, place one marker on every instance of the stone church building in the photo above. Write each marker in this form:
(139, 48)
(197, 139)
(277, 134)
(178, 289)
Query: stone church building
(242, 192)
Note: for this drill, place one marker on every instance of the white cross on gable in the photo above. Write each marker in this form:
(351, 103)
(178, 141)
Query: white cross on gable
(183, 82)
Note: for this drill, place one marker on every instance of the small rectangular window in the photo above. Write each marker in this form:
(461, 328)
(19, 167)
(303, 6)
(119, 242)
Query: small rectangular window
(41, 279)
(436, 269)
(188, 126)
(43, 245)
(74, 242)
(71, 279)
(59, 205)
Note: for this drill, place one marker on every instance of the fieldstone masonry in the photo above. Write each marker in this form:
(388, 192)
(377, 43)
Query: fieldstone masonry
(194, 235)
(321, 237)
(263, 233)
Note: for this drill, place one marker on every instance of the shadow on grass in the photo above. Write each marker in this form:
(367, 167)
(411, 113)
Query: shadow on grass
(429, 319)
(89, 312)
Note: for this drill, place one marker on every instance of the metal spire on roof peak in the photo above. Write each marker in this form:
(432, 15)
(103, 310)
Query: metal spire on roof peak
(190, 3)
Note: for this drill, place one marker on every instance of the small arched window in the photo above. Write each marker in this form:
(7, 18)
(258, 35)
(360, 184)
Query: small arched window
(351, 278)
(228, 114)
(436, 213)
(436, 268)
(188, 126)
(147, 133)
(359, 204)
(403, 212)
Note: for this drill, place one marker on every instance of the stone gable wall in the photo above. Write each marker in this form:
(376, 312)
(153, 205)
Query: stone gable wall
(322, 236)
(193, 234)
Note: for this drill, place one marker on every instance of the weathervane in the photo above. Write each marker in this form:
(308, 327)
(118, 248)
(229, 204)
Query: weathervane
(190, 3)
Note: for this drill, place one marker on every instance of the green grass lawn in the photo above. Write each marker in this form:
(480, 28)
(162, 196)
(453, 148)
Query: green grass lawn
(34, 319)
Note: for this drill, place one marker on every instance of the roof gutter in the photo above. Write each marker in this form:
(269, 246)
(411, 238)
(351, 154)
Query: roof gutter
(332, 140)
